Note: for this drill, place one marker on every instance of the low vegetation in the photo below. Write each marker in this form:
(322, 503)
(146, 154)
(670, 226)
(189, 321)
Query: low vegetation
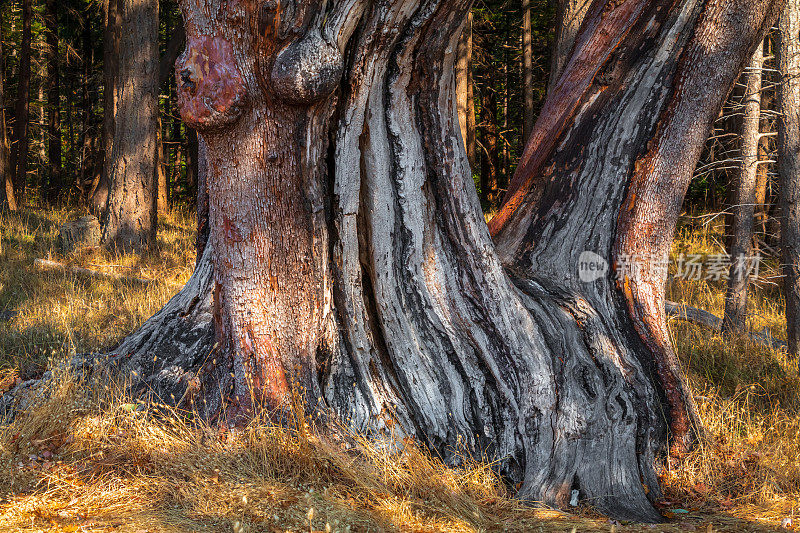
(86, 458)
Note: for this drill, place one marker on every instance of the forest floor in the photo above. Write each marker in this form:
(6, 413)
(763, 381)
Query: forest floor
(89, 460)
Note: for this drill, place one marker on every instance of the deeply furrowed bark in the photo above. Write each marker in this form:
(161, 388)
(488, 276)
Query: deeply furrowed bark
(351, 266)
(664, 102)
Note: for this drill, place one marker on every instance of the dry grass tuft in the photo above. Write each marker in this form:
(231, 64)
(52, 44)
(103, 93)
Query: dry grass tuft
(85, 458)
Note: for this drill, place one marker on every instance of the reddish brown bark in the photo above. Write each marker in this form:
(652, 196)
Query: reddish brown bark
(269, 238)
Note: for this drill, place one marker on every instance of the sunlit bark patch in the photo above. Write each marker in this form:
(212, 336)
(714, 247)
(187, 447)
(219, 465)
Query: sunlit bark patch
(211, 92)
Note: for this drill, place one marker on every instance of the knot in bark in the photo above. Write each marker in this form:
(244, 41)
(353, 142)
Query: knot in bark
(307, 70)
(211, 91)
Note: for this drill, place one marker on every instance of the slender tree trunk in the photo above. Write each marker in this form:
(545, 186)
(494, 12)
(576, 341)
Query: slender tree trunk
(6, 170)
(86, 111)
(129, 222)
(162, 203)
(464, 91)
(54, 182)
(472, 151)
(192, 160)
(503, 177)
(111, 31)
(527, 72)
(788, 107)
(359, 276)
(19, 154)
(490, 160)
(177, 160)
(569, 17)
(741, 250)
(762, 182)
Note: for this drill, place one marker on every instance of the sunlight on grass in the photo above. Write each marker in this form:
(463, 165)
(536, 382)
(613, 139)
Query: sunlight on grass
(86, 458)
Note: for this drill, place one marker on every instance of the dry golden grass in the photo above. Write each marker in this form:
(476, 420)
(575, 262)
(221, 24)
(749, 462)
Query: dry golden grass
(85, 458)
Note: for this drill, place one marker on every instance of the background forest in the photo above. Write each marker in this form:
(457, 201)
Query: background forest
(78, 463)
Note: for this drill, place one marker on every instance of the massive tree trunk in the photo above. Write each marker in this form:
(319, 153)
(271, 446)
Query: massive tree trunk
(54, 185)
(19, 152)
(349, 265)
(735, 318)
(788, 106)
(129, 221)
(637, 99)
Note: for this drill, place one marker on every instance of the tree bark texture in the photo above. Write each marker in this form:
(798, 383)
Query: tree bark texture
(19, 153)
(349, 264)
(129, 221)
(735, 318)
(662, 81)
(788, 107)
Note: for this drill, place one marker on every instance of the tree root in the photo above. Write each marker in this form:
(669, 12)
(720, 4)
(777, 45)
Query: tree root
(700, 317)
